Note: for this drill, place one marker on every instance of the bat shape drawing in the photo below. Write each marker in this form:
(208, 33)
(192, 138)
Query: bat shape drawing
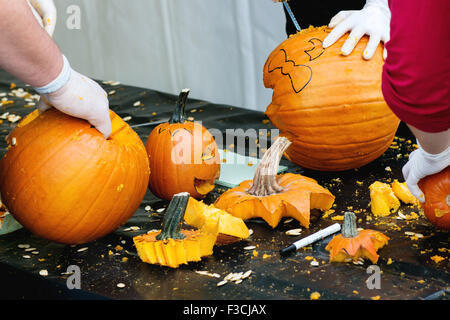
(289, 68)
(317, 49)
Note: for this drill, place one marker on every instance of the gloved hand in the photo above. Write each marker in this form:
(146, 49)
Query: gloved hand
(78, 96)
(45, 13)
(422, 164)
(373, 19)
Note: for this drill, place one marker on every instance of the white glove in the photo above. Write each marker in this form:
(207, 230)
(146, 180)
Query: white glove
(422, 164)
(78, 96)
(45, 13)
(373, 19)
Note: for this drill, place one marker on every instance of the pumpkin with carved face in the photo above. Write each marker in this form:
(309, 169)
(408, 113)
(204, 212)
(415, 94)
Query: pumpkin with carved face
(183, 156)
(330, 106)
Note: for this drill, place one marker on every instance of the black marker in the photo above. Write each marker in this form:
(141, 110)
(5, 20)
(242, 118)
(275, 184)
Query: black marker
(311, 238)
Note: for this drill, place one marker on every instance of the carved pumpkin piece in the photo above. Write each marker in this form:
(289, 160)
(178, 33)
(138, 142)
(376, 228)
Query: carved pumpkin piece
(352, 244)
(271, 196)
(183, 156)
(172, 246)
(203, 216)
(382, 199)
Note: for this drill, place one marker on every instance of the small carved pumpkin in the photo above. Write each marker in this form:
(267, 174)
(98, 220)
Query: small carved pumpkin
(63, 181)
(271, 196)
(436, 189)
(202, 216)
(183, 156)
(172, 246)
(352, 244)
(330, 106)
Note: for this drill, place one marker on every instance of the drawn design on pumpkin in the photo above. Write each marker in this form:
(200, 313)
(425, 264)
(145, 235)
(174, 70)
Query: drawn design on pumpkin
(315, 52)
(286, 67)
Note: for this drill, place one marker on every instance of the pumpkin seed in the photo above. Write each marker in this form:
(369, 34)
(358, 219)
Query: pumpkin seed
(82, 249)
(249, 247)
(221, 283)
(246, 274)
(121, 285)
(160, 210)
(294, 232)
(43, 273)
(23, 246)
(238, 281)
(26, 257)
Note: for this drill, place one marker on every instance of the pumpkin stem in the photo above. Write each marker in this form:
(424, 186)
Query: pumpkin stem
(265, 178)
(179, 115)
(349, 229)
(171, 228)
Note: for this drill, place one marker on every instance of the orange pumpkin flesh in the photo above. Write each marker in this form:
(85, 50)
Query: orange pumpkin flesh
(272, 196)
(172, 246)
(351, 244)
(200, 215)
(436, 189)
(183, 157)
(330, 106)
(64, 182)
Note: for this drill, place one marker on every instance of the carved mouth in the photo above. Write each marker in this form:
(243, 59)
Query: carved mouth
(203, 186)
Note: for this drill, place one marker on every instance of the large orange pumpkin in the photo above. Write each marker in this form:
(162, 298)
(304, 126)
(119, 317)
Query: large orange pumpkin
(436, 189)
(330, 106)
(183, 156)
(65, 182)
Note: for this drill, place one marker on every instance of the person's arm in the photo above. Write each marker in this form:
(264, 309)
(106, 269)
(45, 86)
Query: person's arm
(415, 83)
(29, 53)
(45, 13)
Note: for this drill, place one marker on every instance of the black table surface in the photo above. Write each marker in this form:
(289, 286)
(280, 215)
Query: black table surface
(407, 270)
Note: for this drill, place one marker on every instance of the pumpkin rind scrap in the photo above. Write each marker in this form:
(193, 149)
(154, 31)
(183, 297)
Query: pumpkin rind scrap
(330, 106)
(206, 217)
(291, 195)
(363, 244)
(402, 192)
(382, 199)
(171, 246)
(63, 181)
(436, 189)
(183, 156)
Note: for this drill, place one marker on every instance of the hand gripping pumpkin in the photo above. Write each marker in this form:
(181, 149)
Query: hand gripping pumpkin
(330, 106)
(62, 180)
(352, 244)
(436, 189)
(183, 156)
(271, 196)
(172, 246)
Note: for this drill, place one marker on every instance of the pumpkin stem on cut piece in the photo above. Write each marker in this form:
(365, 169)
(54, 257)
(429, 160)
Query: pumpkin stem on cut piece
(174, 215)
(179, 115)
(265, 178)
(349, 229)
